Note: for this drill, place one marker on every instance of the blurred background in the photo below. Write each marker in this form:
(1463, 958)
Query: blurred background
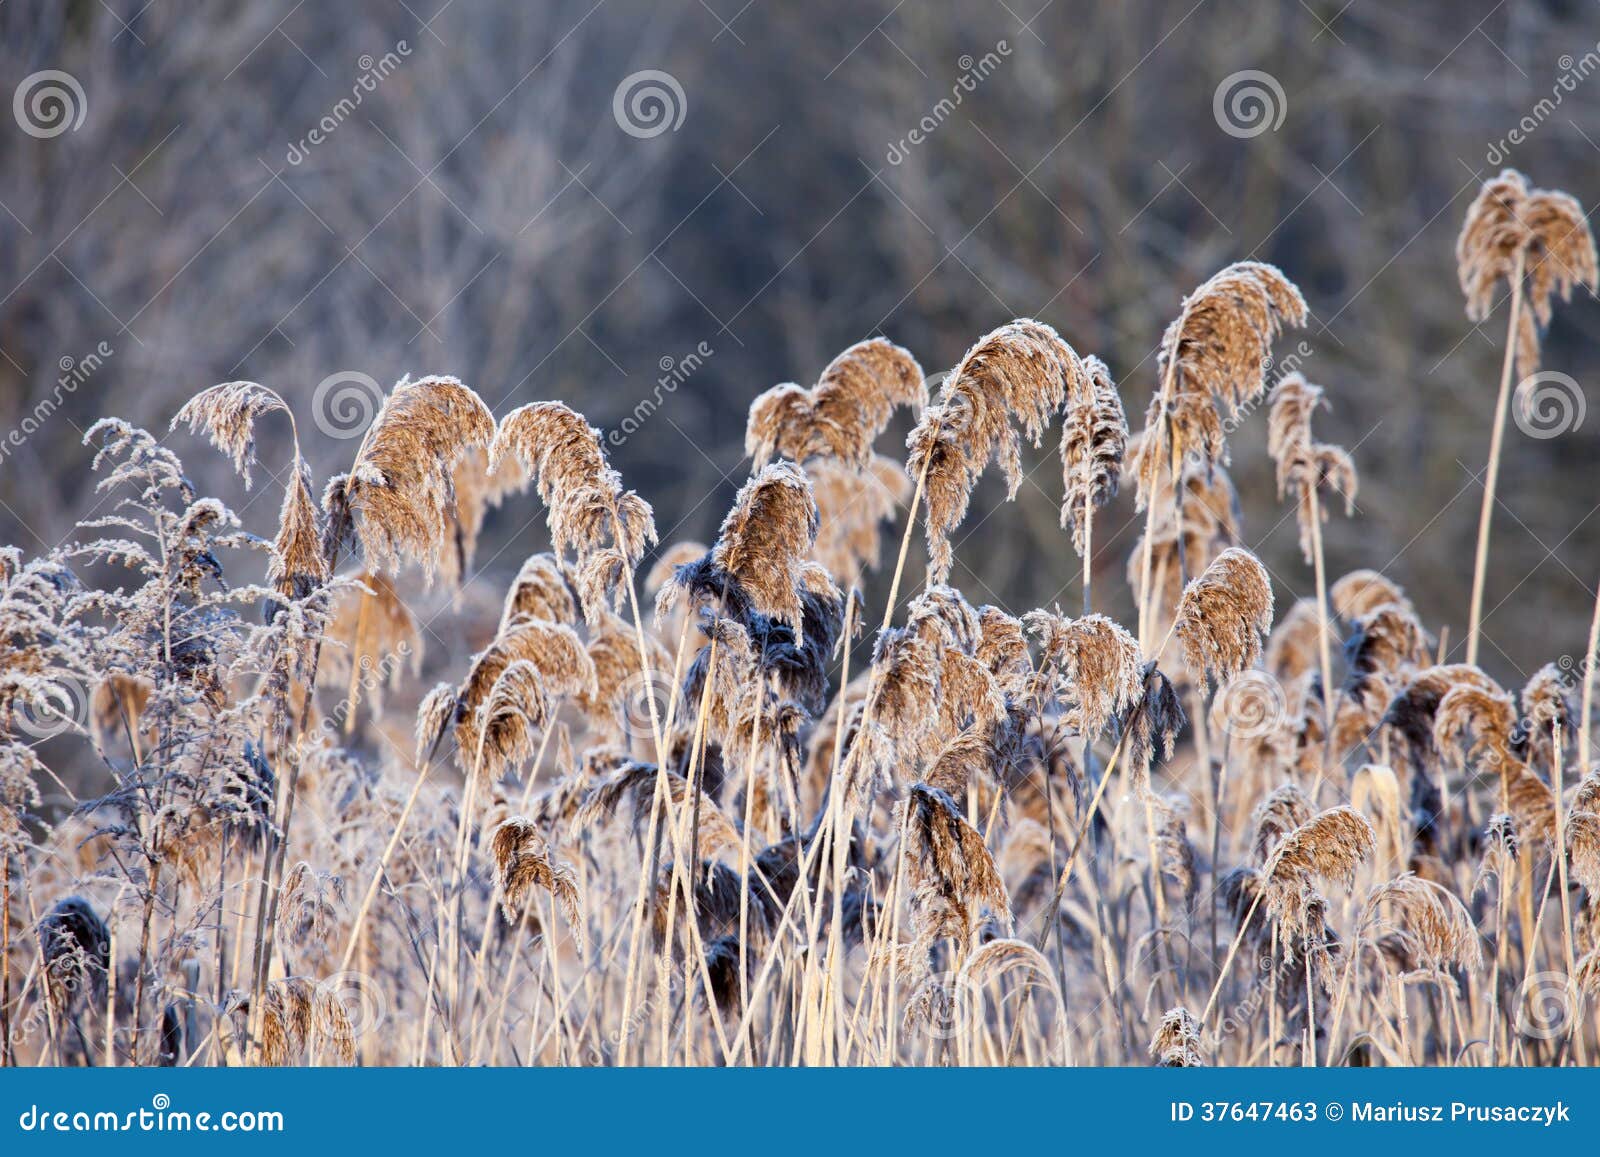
(655, 210)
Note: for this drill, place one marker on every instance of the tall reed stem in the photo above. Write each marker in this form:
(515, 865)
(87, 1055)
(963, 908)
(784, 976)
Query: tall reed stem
(1491, 477)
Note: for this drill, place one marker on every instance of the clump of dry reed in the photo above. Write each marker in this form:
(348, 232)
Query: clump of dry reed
(821, 853)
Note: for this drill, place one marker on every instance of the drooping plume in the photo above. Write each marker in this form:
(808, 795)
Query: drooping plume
(399, 496)
(1541, 235)
(1021, 372)
(1090, 662)
(1224, 615)
(1306, 467)
(843, 414)
(1094, 440)
(766, 541)
(227, 414)
(1214, 359)
(592, 517)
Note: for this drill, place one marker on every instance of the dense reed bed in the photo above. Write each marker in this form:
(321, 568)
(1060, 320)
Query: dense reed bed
(699, 804)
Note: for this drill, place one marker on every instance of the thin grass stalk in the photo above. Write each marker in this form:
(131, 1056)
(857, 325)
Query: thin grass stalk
(1480, 562)
(1324, 654)
(383, 864)
(647, 867)
(1585, 752)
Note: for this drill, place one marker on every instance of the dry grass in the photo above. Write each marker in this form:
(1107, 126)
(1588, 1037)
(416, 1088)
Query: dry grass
(721, 837)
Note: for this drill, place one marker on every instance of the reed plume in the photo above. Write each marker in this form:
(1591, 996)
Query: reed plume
(227, 414)
(1438, 930)
(954, 879)
(523, 862)
(1090, 662)
(399, 497)
(1022, 371)
(1094, 442)
(1214, 357)
(1295, 645)
(1539, 242)
(591, 516)
(1177, 1041)
(1363, 591)
(1536, 240)
(1224, 615)
(766, 541)
(1304, 465)
(540, 591)
(843, 414)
